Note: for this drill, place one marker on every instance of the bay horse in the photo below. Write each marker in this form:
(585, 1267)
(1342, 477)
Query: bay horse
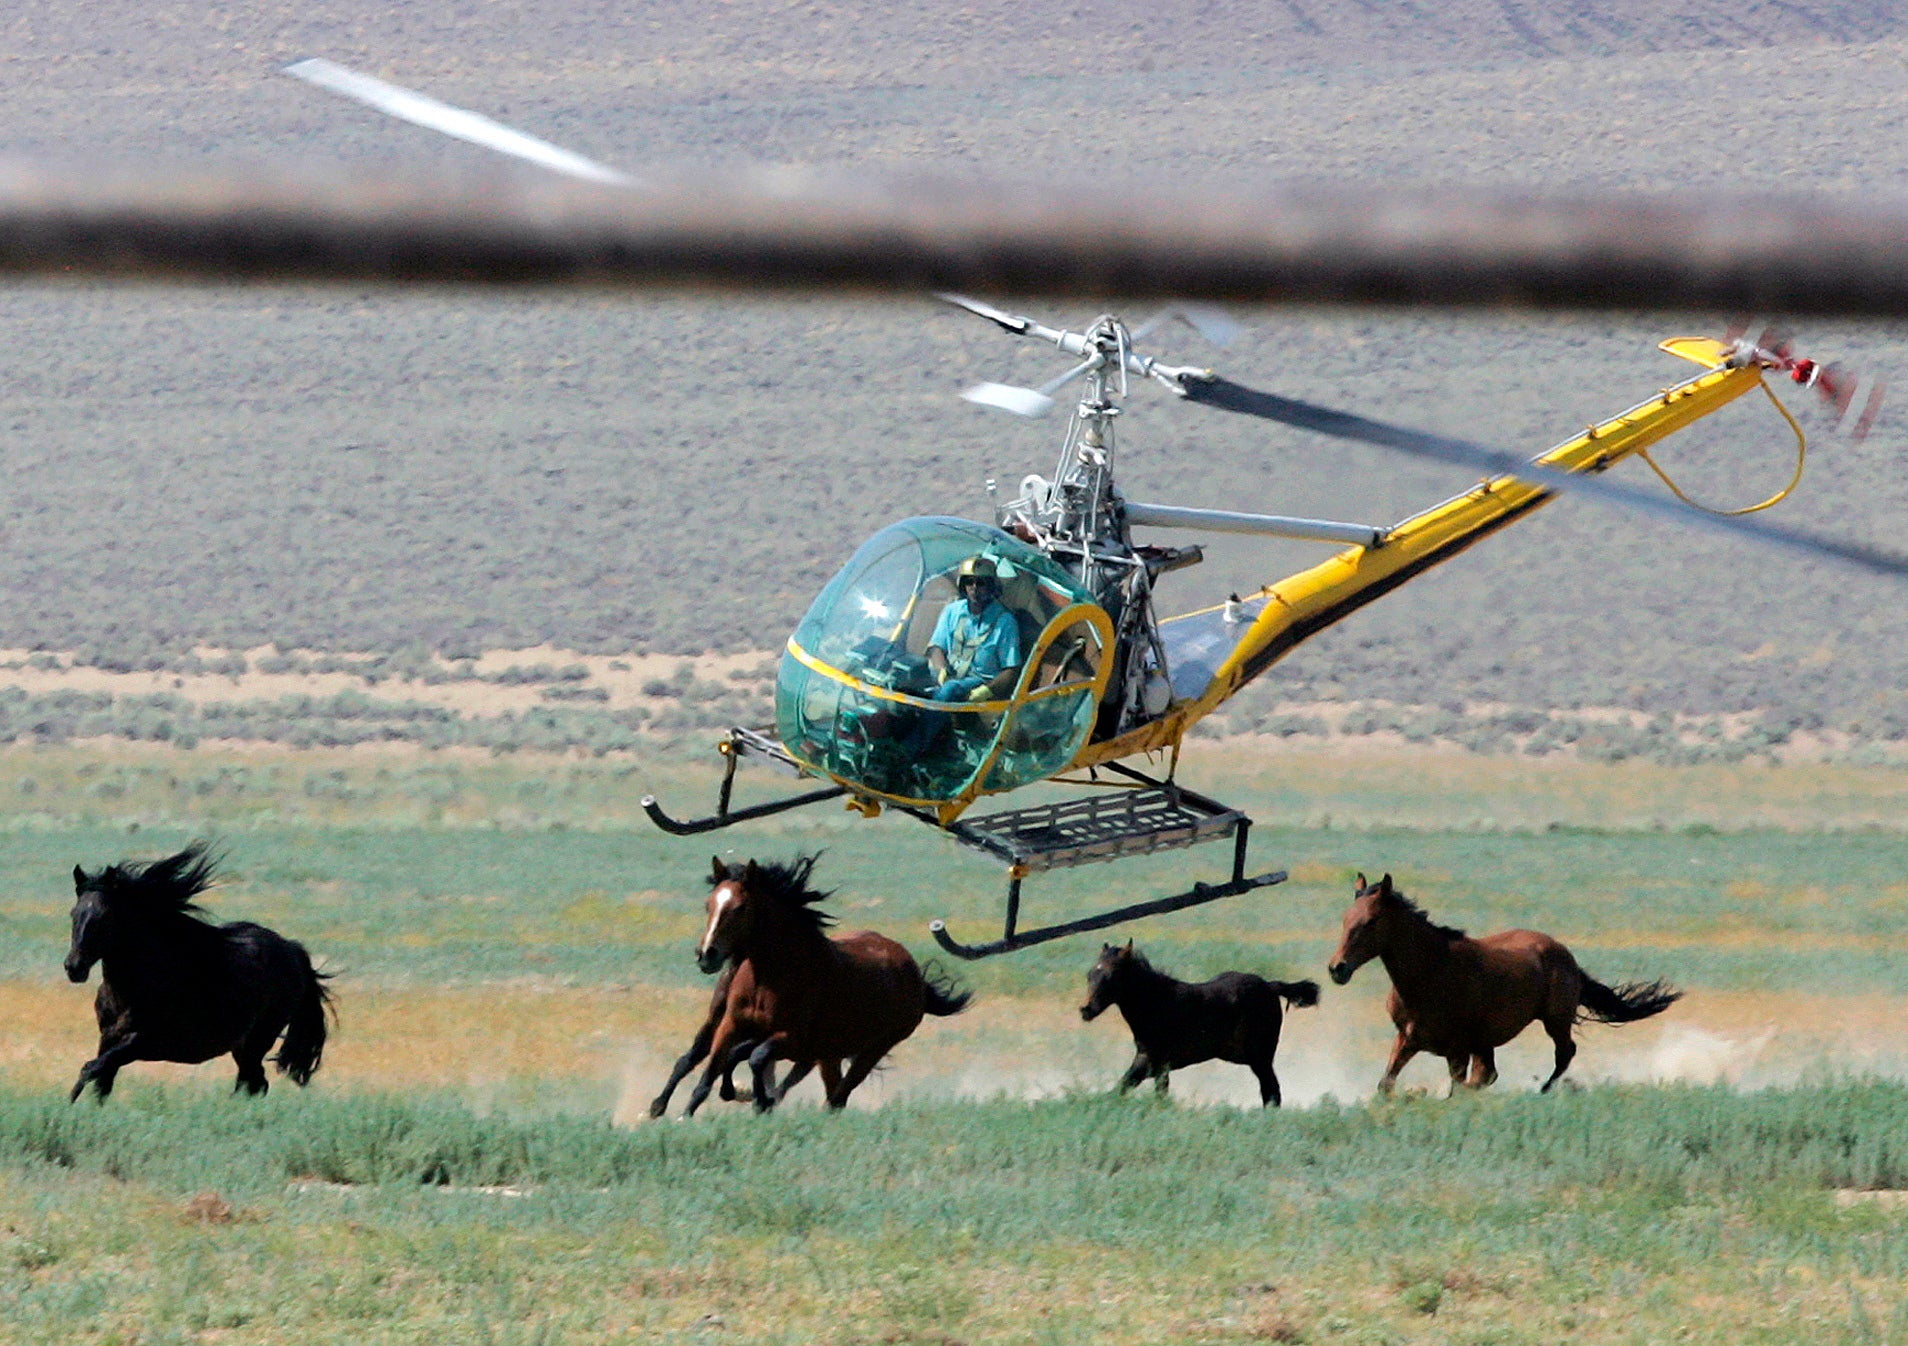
(835, 1004)
(1462, 998)
(1234, 1017)
(175, 986)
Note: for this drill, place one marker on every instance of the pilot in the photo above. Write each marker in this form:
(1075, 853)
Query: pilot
(974, 652)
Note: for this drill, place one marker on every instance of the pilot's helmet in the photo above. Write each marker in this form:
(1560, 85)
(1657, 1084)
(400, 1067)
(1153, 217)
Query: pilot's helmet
(978, 570)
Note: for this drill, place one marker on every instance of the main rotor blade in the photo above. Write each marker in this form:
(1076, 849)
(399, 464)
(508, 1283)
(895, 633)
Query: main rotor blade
(1214, 324)
(421, 110)
(1229, 396)
(1012, 322)
(893, 233)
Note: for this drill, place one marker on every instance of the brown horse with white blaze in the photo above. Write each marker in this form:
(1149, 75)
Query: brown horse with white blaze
(835, 1004)
(1462, 998)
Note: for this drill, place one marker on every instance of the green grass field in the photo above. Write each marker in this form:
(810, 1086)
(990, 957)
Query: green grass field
(1611, 1215)
(513, 944)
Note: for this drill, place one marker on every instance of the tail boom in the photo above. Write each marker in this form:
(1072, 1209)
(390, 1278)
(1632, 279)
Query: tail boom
(1306, 603)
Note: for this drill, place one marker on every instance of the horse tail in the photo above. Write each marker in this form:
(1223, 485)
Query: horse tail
(945, 995)
(1624, 1003)
(303, 1050)
(1297, 994)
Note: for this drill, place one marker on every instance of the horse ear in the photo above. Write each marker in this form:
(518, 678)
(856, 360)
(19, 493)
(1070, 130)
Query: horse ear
(79, 878)
(1384, 886)
(750, 874)
(721, 870)
(1129, 948)
(1358, 885)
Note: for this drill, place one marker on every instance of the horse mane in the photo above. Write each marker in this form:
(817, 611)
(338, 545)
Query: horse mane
(1424, 918)
(1140, 963)
(787, 886)
(162, 887)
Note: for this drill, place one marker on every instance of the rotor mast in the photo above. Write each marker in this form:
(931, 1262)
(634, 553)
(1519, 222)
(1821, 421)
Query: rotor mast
(1079, 518)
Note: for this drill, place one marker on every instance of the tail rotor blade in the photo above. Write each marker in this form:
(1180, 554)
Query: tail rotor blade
(1854, 398)
(1864, 405)
(1837, 386)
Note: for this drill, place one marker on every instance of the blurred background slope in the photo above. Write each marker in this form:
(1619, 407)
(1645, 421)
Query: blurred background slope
(344, 469)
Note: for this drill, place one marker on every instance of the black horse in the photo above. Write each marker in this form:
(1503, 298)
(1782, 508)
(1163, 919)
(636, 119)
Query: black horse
(1234, 1017)
(176, 987)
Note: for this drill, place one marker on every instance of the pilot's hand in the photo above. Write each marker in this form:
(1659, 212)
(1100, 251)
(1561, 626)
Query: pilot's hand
(981, 693)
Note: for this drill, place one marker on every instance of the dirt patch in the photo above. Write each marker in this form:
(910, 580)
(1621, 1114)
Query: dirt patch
(1887, 1199)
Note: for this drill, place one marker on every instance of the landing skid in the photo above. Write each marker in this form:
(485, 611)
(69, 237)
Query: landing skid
(1149, 816)
(1142, 816)
(739, 744)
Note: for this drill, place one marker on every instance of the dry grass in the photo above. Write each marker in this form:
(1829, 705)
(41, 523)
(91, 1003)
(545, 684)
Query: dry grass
(591, 1046)
(623, 677)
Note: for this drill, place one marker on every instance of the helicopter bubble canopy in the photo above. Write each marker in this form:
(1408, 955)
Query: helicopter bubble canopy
(855, 696)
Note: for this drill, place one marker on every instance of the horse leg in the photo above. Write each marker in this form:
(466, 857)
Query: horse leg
(762, 1069)
(796, 1074)
(1161, 1078)
(724, 1053)
(831, 1076)
(858, 1070)
(727, 1091)
(1269, 1096)
(1401, 1052)
(1559, 1030)
(99, 1072)
(685, 1063)
(1483, 1069)
(251, 1072)
(1141, 1068)
(249, 1056)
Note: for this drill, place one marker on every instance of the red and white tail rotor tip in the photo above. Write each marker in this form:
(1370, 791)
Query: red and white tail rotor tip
(1855, 398)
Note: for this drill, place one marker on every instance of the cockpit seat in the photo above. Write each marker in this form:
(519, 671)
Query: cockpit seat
(1020, 594)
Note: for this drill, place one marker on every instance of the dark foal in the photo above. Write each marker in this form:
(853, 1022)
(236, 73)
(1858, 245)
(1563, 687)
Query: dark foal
(176, 987)
(1463, 998)
(1234, 1017)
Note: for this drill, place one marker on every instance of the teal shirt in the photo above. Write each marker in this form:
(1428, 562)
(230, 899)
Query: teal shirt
(977, 647)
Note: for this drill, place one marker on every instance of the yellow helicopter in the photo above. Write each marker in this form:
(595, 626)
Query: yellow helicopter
(1098, 677)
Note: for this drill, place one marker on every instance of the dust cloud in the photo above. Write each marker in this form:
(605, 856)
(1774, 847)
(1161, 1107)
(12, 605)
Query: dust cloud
(1034, 1049)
